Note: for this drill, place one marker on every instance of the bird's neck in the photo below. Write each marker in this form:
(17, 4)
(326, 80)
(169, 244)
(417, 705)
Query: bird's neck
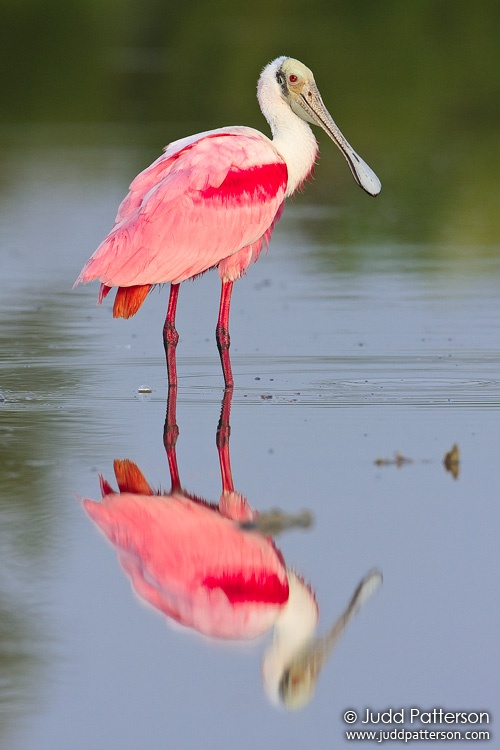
(298, 147)
(292, 138)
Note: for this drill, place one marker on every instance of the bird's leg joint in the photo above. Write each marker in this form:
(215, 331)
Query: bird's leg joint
(170, 335)
(222, 337)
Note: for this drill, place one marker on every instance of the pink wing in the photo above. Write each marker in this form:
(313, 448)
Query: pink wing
(202, 202)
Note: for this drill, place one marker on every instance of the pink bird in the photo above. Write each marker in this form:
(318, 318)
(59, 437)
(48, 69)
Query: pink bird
(212, 200)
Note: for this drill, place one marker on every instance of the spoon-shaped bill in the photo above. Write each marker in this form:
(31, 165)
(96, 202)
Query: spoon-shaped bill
(312, 105)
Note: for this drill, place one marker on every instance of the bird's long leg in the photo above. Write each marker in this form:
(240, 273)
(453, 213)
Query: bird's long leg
(222, 332)
(170, 335)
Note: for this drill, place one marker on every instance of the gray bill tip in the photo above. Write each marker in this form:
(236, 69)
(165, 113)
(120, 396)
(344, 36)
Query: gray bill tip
(363, 174)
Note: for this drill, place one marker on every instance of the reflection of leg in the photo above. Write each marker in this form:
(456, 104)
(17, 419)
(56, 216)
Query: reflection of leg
(170, 435)
(170, 335)
(222, 332)
(222, 441)
(231, 504)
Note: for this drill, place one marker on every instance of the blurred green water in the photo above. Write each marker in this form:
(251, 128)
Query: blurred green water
(415, 87)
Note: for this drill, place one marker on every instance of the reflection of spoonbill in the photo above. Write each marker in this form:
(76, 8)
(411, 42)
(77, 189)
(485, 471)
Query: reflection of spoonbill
(191, 560)
(209, 568)
(212, 199)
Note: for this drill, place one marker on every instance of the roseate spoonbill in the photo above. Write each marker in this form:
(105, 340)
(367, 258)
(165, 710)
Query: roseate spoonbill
(212, 200)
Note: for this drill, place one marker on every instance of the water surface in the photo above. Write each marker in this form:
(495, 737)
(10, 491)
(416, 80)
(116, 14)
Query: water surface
(345, 353)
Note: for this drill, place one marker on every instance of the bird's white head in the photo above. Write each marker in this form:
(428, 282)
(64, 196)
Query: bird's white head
(288, 80)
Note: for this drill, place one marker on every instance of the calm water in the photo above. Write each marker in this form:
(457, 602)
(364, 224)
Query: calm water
(338, 367)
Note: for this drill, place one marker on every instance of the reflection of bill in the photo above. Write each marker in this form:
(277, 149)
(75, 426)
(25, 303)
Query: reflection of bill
(300, 671)
(215, 568)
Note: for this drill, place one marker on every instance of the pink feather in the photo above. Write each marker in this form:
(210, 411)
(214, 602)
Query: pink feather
(213, 201)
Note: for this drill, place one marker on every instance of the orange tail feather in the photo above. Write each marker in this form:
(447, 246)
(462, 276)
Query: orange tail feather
(130, 478)
(129, 299)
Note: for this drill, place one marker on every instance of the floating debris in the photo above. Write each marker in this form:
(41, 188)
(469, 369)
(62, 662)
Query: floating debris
(144, 389)
(398, 460)
(275, 521)
(451, 461)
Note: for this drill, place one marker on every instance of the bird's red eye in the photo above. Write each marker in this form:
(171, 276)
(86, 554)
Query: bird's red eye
(293, 78)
